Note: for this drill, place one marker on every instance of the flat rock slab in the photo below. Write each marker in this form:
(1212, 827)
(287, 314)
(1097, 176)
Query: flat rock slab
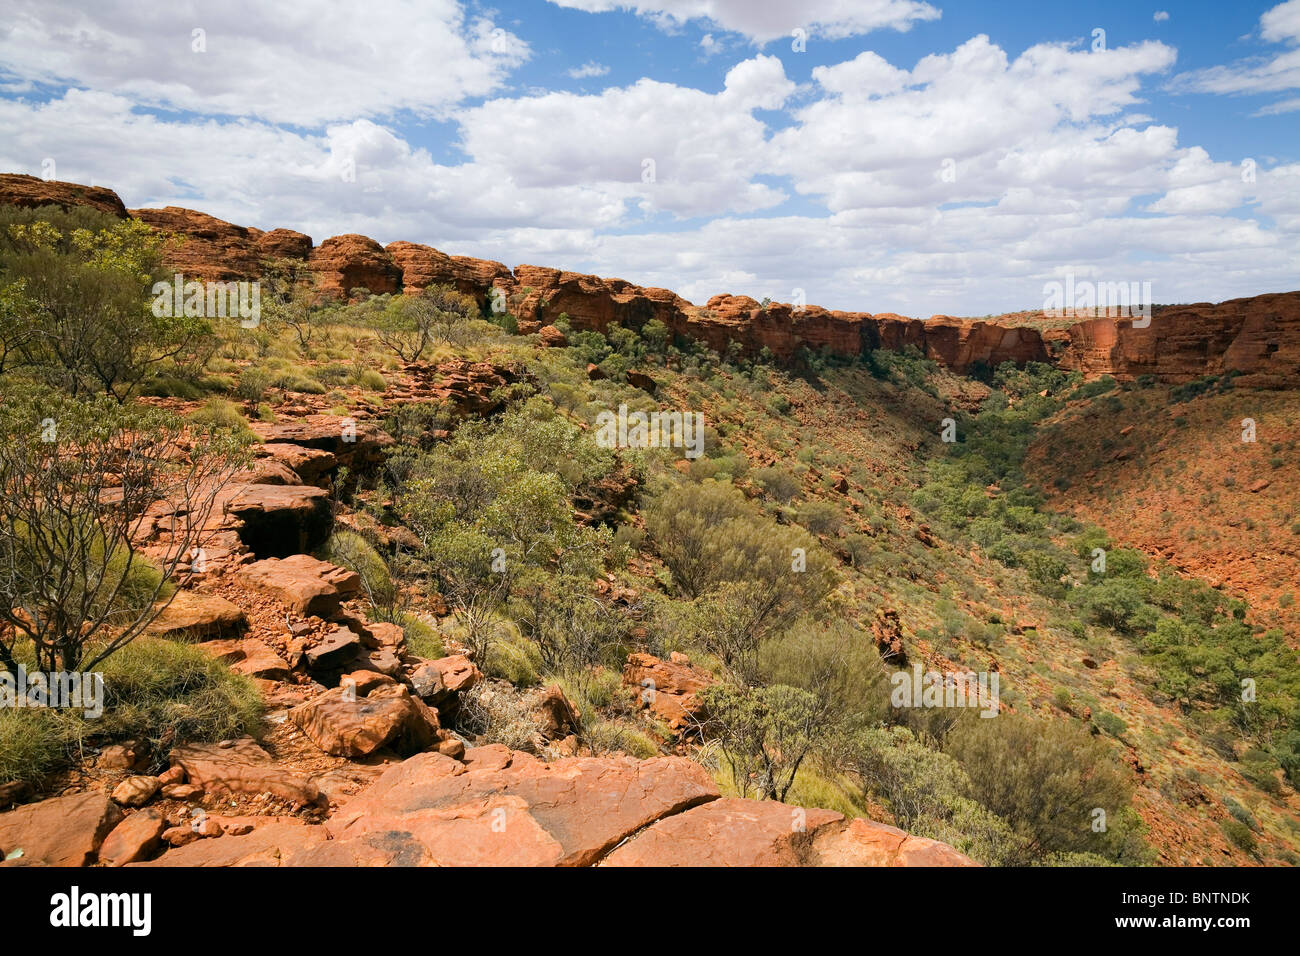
(250, 657)
(241, 767)
(335, 649)
(199, 617)
(306, 584)
(63, 831)
(434, 810)
(735, 832)
(265, 846)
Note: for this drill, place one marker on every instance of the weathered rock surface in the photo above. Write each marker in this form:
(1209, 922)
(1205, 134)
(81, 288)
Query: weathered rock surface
(668, 689)
(358, 445)
(435, 810)
(344, 263)
(264, 846)
(29, 192)
(134, 838)
(735, 832)
(241, 766)
(311, 465)
(307, 585)
(205, 248)
(250, 657)
(334, 650)
(422, 266)
(136, 791)
(439, 681)
(346, 722)
(278, 521)
(1257, 337)
(199, 617)
(467, 389)
(62, 831)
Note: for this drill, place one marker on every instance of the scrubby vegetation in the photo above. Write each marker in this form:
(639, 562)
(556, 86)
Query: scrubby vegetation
(798, 563)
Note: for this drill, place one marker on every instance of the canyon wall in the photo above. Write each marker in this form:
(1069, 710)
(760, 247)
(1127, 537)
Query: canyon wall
(1257, 337)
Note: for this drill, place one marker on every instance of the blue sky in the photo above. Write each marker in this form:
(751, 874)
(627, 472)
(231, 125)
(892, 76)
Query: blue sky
(910, 156)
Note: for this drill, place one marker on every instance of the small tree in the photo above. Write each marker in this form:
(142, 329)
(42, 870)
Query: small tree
(292, 299)
(410, 325)
(76, 305)
(85, 488)
(764, 733)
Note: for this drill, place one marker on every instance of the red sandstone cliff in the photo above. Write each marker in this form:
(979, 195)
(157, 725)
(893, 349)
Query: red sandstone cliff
(1258, 337)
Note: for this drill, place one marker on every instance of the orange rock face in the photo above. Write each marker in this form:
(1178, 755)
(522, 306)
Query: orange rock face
(30, 192)
(206, 248)
(1258, 337)
(422, 266)
(344, 263)
(734, 832)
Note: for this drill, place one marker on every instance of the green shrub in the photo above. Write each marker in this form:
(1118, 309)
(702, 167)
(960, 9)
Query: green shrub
(350, 550)
(219, 413)
(514, 659)
(1110, 723)
(159, 690)
(1239, 835)
(422, 640)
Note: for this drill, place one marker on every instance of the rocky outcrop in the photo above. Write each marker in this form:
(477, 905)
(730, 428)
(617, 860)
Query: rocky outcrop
(356, 445)
(1258, 338)
(422, 266)
(241, 766)
(64, 831)
(204, 248)
(344, 263)
(467, 389)
(306, 585)
(734, 832)
(498, 807)
(31, 192)
(515, 810)
(199, 617)
(591, 302)
(668, 689)
(276, 521)
(346, 722)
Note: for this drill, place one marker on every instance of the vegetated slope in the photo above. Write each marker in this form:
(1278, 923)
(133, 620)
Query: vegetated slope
(958, 606)
(1117, 684)
(1167, 471)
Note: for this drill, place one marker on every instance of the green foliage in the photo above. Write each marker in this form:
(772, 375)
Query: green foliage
(220, 414)
(154, 689)
(77, 302)
(349, 549)
(1239, 835)
(75, 478)
(740, 570)
(493, 503)
(764, 733)
(1046, 778)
